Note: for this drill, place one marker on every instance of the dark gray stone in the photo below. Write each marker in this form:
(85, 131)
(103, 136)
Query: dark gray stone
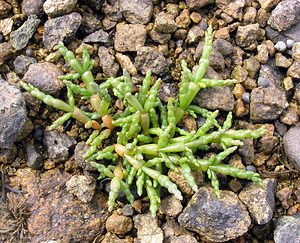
(216, 220)
(247, 150)
(60, 29)
(127, 210)
(89, 24)
(44, 76)
(293, 32)
(291, 143)
(137, 11)
(58, 145)
(80, 149)
(34, 159)
(20, 37)
(287, 229)
(216, 98)
(150, 59)
(285, 15)
(269, 74)
(13, 114)
(223, 46)
(22, 63)
(267, 103)
(107, 61)
(32, 7)
(260, 201)
(99, 36)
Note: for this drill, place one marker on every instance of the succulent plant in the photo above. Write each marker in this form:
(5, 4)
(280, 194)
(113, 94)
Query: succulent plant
(149, 141)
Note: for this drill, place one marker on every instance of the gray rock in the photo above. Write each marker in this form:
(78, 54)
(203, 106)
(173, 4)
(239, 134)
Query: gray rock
(280, 46)
(149, 59)
(269, 75)
(58, 145)
(247, 150)
(20, 37)
(107, 62)
(285, 15)
(165, 23)
(44, 76)
(119, 224)
(6, 51)
(183, 239)
(246, 98)
(147, 228)
(89, 23)
(82, 186)
(12, 114)
(293, 32)
(267, 103)
(129, 37)
(60, 29)
(99, 36)
(54, 8)
(294, 70)
(159, 37)
(291, 145)
(223, 46)
(80, 149)
(216, 98)
(170, 206)
(172, 229)
(137, 11)
(259, 201)
(127, 210)
(34, 159)
(247, 35)
(22, 63)
(194, 34)
(198, 4)
(287, 229)
(167, 90)
(32, 7)
(215, 219)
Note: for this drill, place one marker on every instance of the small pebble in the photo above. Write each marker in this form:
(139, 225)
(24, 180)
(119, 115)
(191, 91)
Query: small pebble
(128, 210)
(246, 98)
(29, 52)
(290, 43)
(280, 46)
(251, 168)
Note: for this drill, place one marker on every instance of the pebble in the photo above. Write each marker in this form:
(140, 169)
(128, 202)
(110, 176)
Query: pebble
(44, 77)
(294, 70)
(194, 34)
(165, 23)
(262, 17)
(260, 201)
(6, 51)
(172, 229)
(58, 145)
(119, 224)
(126, 63)
(195, 17)
(247, 150)
(20, 37)
(249, 15)
(283, 196)
(13, 114)
(285, 15)
(107, 61)
(291, 145)
(137, 11)
(287, 229)
(99, 36)
(127, 210)
(159, 37)
(289, 43)
(268, 4)
(55, 8)
(170, 206)
(183, 20)
(22, 63)
(183, 239)
(148, 229)
(251, 168)
(246, 98)
(7, 156)
(239, 73)
(282, 61)
(150, 59)
(4, 8)
(80, 149)
(32, 7)
(269, 75)
(198, 4)
(129, 37)
(216, 220)
(267, 103)
(296, 52)
(247, 35)
(280, 46)
(252, 66)
(262, 53)
(234, 8)
(60, 29)
(34, 159)
(223, 46)
(89, 23)
(6, 26)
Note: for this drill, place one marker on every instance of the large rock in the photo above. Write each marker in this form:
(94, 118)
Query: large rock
(137, 11)
(291, 144)
(260, 201)
(60, 29)
(267, 103)
(216, 220)
(56, 215)
(150, 59)
(13, 114)
(44, 76)
(287, 229)
(216, 98)
(285, 15)
(129, 37)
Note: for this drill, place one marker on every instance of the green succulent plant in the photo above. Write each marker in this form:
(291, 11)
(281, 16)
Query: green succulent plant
(149, 141)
